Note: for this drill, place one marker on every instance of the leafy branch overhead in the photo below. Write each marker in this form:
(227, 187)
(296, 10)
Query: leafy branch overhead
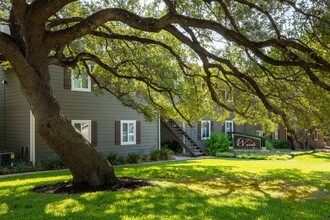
(273, 57)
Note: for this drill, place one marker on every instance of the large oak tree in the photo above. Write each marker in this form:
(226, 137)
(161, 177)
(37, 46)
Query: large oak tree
(185, 58)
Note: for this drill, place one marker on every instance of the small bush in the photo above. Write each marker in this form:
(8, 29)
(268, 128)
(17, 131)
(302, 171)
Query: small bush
(112, 158)
(116, 159)
(133, 158)
(251, 156)
(269, 145)
(217, 143)
(21, 167)
(5, 171)
(281, 144)
(225, 154)
(144, 157)
(172, 145)
(155, 155)
(53, 163)
(165, 154)
(121, 159)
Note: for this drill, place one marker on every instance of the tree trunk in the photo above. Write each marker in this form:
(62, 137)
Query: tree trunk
(86, 165)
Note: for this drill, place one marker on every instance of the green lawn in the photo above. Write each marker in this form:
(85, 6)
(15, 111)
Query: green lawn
(193, 189)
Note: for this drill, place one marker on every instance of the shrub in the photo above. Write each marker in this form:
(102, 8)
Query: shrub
(133, 158)
(21, 167)
(53, 163)
(112, 158)
(116, 159)
(165, 153)
(173, 145)
(225, 154)
(281, 144)
(155, 155)
(251, 156)
(5, 171)
(144, 157)
(121, 159)
(269, 145)
(217, 143)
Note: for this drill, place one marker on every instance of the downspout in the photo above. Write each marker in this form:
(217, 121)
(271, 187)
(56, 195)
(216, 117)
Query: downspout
(4, 82)
(159, 133)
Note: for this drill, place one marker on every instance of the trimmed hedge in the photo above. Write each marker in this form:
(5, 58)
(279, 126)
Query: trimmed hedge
(281, 144)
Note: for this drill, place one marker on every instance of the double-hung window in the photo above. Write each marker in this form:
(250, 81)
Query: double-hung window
(229, 126)
(205, 129)
(260, 133)
(81, 82)
(128, 132)
(84, 127)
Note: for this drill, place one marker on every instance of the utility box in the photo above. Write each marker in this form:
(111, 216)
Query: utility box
(6, 158)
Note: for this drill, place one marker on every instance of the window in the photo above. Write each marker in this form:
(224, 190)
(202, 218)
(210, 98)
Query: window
(229, 96)
(84, 127)
(229, 126)
(275, 135)
(316, 135)
(128, 132)
(260, 133)
(205, 129)
(81, 82)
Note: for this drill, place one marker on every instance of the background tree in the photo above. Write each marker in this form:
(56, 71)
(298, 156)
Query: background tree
(179, 58)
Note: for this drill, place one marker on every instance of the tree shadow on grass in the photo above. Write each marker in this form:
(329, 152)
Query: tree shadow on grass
(324, 156)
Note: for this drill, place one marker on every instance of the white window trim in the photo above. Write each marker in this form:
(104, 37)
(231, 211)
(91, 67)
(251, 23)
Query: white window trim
(121, 132)
(232, 125)
(316, 135)
(89, 122)
(228, 96)
(276, 135)
(258, 132)
(89, 82)
(202, 122)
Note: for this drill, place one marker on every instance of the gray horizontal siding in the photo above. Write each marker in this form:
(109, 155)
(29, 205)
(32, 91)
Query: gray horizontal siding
(17, 115)
(105, 109)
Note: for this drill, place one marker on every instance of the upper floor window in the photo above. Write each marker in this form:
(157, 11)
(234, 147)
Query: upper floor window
(205, 129)
(229, 96)
(81, 82)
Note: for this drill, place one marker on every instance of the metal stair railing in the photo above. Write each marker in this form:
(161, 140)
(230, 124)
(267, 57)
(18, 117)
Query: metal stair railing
(184, 139)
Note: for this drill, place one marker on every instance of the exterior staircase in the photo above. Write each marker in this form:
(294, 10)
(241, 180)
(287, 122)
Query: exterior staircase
(185, 140)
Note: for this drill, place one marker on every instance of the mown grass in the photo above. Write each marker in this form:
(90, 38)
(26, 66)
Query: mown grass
(193, 189)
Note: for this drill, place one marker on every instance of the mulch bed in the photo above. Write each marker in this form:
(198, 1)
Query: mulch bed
(123, 184)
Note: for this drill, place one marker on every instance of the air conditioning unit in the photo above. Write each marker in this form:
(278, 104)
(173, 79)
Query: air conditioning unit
(6, 158)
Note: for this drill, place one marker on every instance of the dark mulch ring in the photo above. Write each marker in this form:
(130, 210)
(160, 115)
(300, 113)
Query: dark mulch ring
(123, 184)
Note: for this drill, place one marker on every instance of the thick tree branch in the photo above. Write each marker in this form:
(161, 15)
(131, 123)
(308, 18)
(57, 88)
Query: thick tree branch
(19, 8)
(49, 8)
(88, 25)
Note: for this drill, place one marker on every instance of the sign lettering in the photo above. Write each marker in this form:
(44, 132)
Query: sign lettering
(246, 142)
